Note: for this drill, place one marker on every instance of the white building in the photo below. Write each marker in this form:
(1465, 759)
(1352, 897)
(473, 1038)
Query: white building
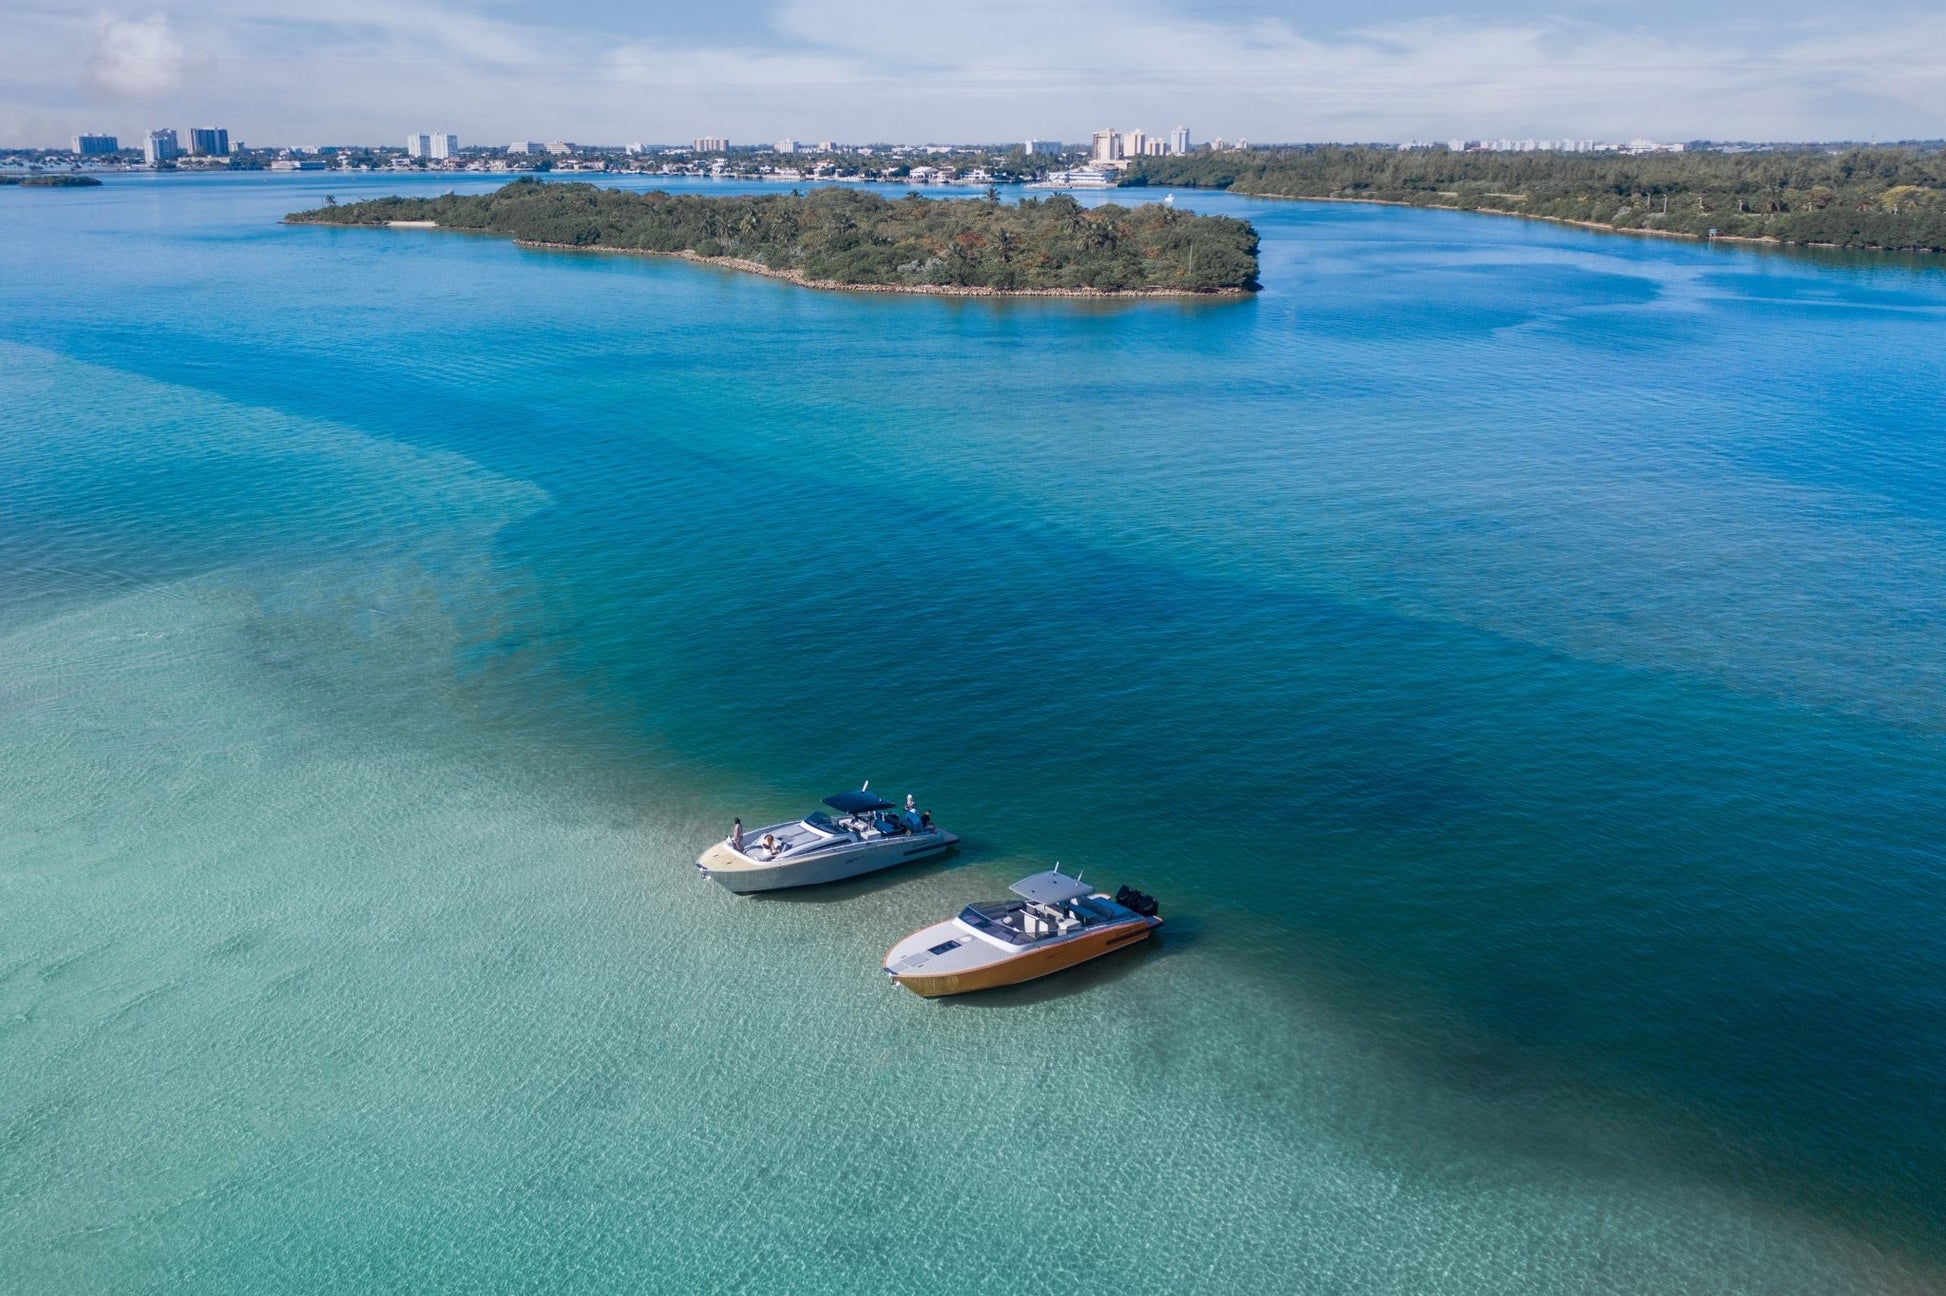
(1179, 141)
(1035, 147)
(559, 148)
(444, 146)
(526, 146)
(96, 146)
(1119, 146)
(160, 147)
(786, 146)
(711, 144)
(418, 146)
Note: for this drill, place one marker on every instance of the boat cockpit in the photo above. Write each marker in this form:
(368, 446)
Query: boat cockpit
(861, 817)
(1051, 904)
(862, 827)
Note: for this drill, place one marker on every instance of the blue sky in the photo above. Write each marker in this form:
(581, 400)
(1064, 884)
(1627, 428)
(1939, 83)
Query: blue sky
(612, 72)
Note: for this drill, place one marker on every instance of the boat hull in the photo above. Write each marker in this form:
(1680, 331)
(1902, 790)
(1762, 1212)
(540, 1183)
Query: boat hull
(1030, 964)
(743, 875)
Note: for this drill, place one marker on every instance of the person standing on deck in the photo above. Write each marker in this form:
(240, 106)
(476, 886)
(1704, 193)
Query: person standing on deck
(736, 836)
(911, 815)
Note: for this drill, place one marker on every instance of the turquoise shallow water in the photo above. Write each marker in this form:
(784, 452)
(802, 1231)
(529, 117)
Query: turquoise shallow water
(1515, 657)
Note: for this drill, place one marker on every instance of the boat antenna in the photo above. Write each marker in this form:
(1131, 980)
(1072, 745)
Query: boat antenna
(867, 787)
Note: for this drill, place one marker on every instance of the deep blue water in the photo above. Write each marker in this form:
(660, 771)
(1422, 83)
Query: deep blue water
(1516, 657)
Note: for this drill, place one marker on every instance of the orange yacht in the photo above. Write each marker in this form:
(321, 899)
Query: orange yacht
(1056, 922)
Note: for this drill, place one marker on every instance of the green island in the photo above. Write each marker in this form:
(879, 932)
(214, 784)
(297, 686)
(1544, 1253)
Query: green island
(1884, 199)
(49, 181)
(844, 238)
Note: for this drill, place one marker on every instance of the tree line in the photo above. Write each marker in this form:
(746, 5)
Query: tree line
(61, 181)
(1877, 198)
(852, 237)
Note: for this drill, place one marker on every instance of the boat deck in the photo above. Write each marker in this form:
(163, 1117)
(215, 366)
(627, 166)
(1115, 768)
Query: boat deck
(793, 836)
(800, 836)
(1020, 922)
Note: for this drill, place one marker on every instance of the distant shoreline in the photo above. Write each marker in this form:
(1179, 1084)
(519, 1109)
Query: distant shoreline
(823, 285)
(61, 180)
(1878, 200)
(1556, 220)
(757, 267)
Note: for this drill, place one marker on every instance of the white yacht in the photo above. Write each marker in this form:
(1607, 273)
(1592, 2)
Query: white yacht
(867, 834)
(1086, 177)
(1058, 922)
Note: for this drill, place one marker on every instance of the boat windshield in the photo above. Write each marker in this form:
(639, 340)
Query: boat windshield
(1019, 922)
(849, 825)
(1001, 921)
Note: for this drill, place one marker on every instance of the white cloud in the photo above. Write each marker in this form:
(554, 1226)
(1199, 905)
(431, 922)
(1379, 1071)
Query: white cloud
(863, 69)
(1126, 62)
(135, 58)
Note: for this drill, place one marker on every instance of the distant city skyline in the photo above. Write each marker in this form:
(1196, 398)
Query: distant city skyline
(1108, 152)
(355, 71)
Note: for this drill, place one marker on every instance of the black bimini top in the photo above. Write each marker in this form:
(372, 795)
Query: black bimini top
(856, 802)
